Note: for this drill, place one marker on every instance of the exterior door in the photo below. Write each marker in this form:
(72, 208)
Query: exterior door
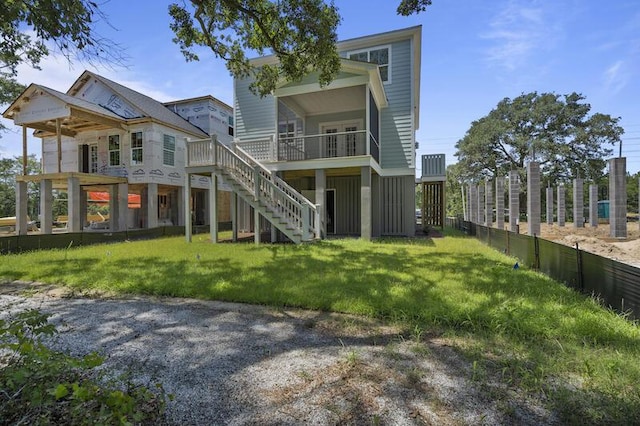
(331, 211)
(338, 144)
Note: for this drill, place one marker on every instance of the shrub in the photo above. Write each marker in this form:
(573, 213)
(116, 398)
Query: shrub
(41, 386)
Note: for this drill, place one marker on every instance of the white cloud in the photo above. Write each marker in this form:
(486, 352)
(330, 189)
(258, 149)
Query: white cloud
(516, 31)
(616, 77)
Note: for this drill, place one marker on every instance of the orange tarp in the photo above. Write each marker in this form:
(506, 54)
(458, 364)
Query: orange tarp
(103, 197)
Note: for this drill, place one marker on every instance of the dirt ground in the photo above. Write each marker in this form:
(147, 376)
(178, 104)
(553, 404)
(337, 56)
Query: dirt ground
(596, 240)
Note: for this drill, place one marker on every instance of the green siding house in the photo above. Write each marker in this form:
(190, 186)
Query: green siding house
(313, 161)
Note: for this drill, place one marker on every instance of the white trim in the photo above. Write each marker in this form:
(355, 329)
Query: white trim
(398, 172)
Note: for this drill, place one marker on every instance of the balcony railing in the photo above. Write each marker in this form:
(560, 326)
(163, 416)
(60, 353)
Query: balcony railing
(311, 147)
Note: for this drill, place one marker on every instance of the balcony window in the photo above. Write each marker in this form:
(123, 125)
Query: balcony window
(114, 150)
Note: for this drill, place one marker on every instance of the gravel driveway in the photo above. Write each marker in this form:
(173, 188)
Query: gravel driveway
(235, 364)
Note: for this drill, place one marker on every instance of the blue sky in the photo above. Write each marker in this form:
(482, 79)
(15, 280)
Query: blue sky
(473, 55)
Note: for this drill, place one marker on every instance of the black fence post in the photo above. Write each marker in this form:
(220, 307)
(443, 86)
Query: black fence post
(579, 271)
(536, 252)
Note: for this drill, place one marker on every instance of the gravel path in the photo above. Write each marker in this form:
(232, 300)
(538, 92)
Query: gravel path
(239, 364)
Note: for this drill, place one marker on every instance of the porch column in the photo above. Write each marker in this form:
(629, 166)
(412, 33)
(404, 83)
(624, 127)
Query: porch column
(46, 206)
(73, 190)
(321, 188)
(188, 222)
(114, 207)
(83, 208)
(213, 209)
(152, 205)
(21, 207)
(234, 216)
(365, 203)
(375, 205)
(123, 206)
(179, 199)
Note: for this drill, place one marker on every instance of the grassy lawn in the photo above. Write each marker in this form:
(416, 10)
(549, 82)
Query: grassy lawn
(515, 326)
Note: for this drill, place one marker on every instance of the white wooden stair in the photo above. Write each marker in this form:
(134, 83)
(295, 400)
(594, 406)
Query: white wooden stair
(280, 204)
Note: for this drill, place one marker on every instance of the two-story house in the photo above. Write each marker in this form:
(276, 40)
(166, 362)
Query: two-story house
(102, 136)
(315, 161)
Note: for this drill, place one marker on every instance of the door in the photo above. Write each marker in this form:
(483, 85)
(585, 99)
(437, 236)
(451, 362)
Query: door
(338, 140)
(330, 211)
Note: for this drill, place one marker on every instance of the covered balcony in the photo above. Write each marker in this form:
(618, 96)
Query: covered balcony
(337, 125)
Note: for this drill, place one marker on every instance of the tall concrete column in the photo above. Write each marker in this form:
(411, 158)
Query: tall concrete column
(213, 209)
(473, 203)
(21, 208)
(152, 205)
(321, 188)
(481, 203)
(578, 203)
(618, 197)
(593, 206)
(74, 221)
(180, 200)
(500, 202)
(549, 206)
(123, 206)
(83, 208)
(488, 206)
(533, 198)
(114, 207)
(561, 205)
(365, 203)
(514, 201)
(46, 207)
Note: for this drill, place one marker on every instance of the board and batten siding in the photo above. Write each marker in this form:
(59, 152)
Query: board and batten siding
(396, 124)
(347, 204)
(398, 203)
(255, 117)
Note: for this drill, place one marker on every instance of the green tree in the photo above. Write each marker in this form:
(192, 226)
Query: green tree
(26, 26)
(557, 131)
(454, 191)
(9, 169)
(300, 33)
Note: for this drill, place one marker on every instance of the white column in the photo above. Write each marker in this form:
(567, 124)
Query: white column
(365, 203)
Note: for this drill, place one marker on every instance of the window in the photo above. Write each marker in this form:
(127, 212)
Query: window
(287, 130)
(93, 158)
(378, 55)
(230, 126)
(169, 150)
(114, 150)
(136, 148)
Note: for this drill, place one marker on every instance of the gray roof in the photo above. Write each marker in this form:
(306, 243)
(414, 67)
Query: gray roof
(149, 106)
